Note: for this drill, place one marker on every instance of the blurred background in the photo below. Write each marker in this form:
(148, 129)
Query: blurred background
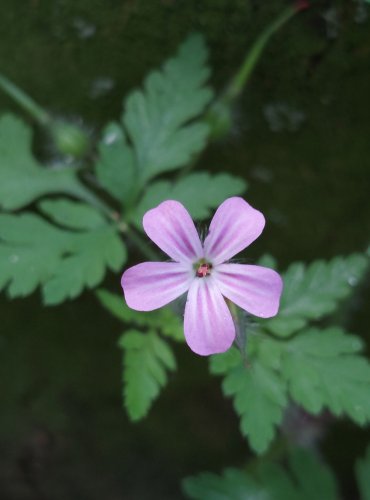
(301, 140)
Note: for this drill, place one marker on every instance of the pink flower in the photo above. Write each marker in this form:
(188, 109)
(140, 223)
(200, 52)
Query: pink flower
(202, 270)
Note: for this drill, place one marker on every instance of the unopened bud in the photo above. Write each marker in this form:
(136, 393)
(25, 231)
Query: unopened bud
(219, 119)
(70, 139)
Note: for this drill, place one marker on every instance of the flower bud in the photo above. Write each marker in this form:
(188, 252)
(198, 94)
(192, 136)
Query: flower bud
(70, 139)
(219, 119)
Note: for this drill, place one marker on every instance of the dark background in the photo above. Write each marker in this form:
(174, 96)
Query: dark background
(301, 140)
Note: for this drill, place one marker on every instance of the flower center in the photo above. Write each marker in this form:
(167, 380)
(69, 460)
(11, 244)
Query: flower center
(203, 269)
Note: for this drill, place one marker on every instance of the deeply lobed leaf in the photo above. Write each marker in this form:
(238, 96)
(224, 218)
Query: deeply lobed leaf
(323, 369)
(30, 250)
(259, 396)
(311, 292)
(158, 131)
(305, 479)
(147, 358)
(85, 264)
(72, 214)
(22, 178)
(33, 252)
(320, 369)
(156, 118)
(165, 320)
(116, 168)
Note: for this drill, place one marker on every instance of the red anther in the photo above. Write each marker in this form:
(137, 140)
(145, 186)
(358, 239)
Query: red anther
(302, 5)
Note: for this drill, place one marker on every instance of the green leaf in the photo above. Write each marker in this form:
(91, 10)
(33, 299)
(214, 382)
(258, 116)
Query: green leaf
(305, 479)
(90, 254)
(311, 292)
(33, 252)
(165, 320)
(363, 475)
(267, 260)
(72, 214)
(232, 485)
(156, 122)
(323, 368)
(221, 364)
(22, 178)
(268, 350)
(116, 167)
(259, 396)
(313, 478)
(157, 118)
(200, 192)
(30, 250)
(147, 359)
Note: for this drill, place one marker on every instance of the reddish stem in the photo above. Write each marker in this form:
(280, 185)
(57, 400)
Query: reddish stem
(302, 5)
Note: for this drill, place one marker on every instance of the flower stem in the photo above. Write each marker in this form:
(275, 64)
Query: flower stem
(141, 244)
(237, 84)
(219, 114)
(24, 101)
(84, 194)
(92, 199)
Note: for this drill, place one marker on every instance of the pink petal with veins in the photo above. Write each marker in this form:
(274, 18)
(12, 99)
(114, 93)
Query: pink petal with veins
(208, 325)
(152, 285)
(170, 226)
(234, 226)
(253, 288)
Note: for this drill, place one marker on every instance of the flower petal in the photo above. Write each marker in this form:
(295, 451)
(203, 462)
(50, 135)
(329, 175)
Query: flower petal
(234, 226)
(253, 288)
(170, 226)
(151, 285)
(208, 325)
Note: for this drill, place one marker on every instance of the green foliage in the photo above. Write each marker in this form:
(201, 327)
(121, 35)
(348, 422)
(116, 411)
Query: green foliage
(33, 252)
(156, 135)
(72, 214)
(164, 320)
(147, 356)
(22, 178)
(311, 292)
(319, 369)
(146, 361)
(115, 168)
(363, 475)
(259, 396)
(157, 123)
(156, 119)
(232, 485)
(323, 369)
(200, 192)
(305, 479)
(267, 260)
(68, 245)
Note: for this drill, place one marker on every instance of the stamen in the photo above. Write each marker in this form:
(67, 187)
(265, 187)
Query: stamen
(204, 270)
